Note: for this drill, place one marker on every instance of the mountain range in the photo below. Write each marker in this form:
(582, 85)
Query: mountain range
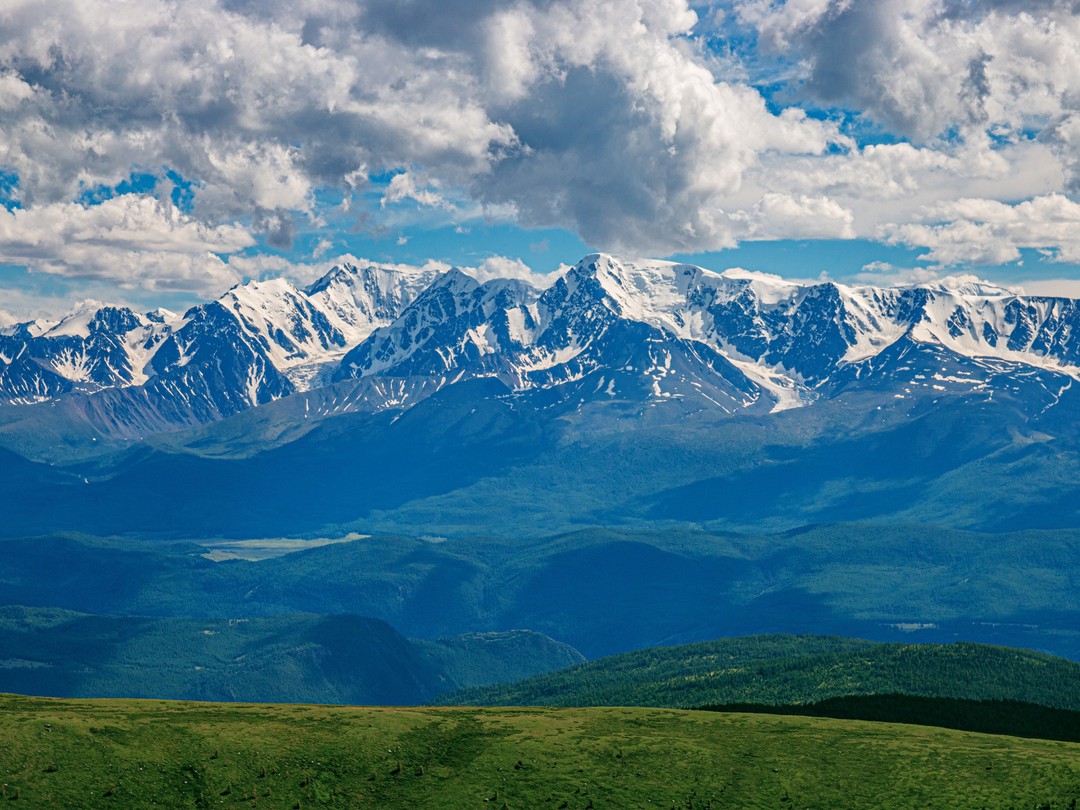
(624, 393)
(639, 333)
(640, 453)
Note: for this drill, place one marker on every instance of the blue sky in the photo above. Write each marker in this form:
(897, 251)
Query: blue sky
(160, 156)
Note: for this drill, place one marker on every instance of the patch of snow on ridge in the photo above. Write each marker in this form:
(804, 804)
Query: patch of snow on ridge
(518, 331)
(77, 324)
(977, 326)
(73, 365)
(784, 389)
(543, 360)
(140, 345)
(867, 310)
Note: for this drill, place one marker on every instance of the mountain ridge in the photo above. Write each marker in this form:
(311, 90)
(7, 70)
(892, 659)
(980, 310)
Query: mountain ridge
(640, 331)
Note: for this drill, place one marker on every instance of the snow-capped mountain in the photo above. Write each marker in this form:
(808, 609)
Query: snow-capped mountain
(258, 342)
(456, 326)
(586, 334)
(89, 350)
(657, 330)
(356, 299)
(636, 333)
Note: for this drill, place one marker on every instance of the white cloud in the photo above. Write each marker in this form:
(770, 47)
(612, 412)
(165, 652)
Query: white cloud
(265, 175)
(980, 231)
(495, 267)
(923, 66)
(609, 117)
(403, 187)
(130, 240)
(13, 90)
(986, 91)
(259, 105)
(1054, 287)
(501, 267)
(589, 114)
(626, 132)
(780, 216)
(885, 274)
(880, 274)
(28, 304)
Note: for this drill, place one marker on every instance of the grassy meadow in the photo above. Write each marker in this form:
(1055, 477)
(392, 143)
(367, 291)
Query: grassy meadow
(105, 753)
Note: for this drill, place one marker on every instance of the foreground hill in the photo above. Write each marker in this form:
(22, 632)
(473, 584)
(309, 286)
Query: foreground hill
(289, 658)
(92, 754)
(780, 670)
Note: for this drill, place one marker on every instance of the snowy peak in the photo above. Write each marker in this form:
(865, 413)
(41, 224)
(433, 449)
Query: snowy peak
(288, 327)
(653, 292)
(968, 286)
(457, 327)
(597, 334)
(357, 299)
(600, 289)
(92, 349)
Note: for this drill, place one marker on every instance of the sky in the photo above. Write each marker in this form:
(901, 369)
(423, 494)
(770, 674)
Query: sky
(156, 153)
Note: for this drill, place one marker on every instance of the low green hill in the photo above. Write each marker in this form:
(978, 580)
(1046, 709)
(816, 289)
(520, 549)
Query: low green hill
(1011, 717)
(317, 659)
(779, 670)
(91, 754)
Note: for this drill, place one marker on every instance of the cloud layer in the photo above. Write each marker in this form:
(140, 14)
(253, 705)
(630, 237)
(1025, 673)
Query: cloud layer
(129, 240)
(631, 122)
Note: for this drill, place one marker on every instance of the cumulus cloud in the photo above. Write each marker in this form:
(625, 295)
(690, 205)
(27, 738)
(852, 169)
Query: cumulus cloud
(924, 66)
(609, 117)
(589, 114)
(979, 231)
(938, 70)
(260, 105)
(404, 187)
(987, 92)
(132, 240)
(624, 132)
(500, 267)
(495, 267)
(780, 216)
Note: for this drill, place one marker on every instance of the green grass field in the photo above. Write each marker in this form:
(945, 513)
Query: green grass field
(126, 754)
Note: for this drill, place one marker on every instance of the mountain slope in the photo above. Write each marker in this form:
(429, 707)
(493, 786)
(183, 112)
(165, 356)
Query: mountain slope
(633, 391)
(781, 670)
(285, 658)
(133, 375)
